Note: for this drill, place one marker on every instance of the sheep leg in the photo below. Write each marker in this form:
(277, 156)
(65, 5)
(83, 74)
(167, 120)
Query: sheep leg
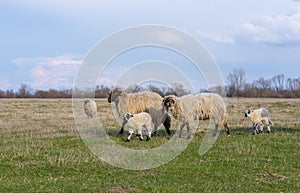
(130, 134)
(188, 131)
(148, 136)
(216, 130)
(255, 131)
(167, 124)
(154, 130)
(180, 129)
(261, 128)
(227, 129)
(268, 129)
(140, 134)
(121, 132)
(122, 128)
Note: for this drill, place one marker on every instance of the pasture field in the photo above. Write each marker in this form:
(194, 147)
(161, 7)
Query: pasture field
(41, 151)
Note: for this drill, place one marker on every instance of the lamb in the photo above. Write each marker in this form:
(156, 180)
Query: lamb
(135, 103)
(259, 117)
(90, 107)
(190, 108)
(141, 121)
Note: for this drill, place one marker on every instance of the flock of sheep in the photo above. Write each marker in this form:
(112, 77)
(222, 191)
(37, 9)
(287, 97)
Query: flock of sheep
(147, 111)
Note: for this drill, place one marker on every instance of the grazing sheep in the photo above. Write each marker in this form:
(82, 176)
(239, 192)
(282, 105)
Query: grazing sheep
(259, 117)
(135, 103)
(204, 106)
(141, 121)
(90, 108)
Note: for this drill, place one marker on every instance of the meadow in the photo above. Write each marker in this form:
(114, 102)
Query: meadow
(41, 151)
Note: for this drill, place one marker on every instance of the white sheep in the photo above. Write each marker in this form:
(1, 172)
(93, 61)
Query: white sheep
(190, 108)
(259, 117)
(139, 122)
(136, 103)
(90, 107)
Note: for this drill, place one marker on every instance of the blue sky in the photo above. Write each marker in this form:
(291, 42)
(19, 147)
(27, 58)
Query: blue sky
(43, 43)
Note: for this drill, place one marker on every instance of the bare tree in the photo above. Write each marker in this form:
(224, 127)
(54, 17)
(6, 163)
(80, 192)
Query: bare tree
(262, 83)
(292, 84)
(237, 81)
(133, 88)
(179, 89)
(24, 91)
(278, 82)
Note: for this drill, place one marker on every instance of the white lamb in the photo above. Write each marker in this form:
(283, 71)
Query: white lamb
(139, 122)
(259, 117)
(90, 108)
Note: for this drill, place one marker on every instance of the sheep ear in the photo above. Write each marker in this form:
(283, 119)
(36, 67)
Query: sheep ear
(172, 101)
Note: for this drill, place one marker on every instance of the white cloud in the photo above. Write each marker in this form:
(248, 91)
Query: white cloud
(51, 72)
(282, 29)
(279, 29)
(217, 38)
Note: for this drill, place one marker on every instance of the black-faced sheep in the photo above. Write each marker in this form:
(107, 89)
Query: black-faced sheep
(190, 108)
(90, 108)
(259, 117)
(141, 121)
(135, 103)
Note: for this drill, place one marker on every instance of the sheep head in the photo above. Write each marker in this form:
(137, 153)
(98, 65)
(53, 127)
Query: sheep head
(114, 95)
(248, 112)
(86, 101)
(171, 104)
(127, 116)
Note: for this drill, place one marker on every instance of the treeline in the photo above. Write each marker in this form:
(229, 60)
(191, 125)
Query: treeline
(101, 91)
(278, 86)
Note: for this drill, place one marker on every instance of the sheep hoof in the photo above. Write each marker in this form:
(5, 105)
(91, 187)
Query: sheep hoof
(268, 131)
(121, 132)
(254, 132)
(141, 139)
(127, 140)
(148, 138)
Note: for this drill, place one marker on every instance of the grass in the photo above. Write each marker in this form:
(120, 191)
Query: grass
(41, 151)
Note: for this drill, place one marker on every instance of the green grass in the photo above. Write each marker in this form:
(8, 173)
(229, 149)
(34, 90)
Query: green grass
(44, 153)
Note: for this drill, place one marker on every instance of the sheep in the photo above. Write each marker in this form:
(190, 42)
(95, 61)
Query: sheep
(259, 117)
(190, 108)
(157, 114)
(90, 107)
(141, 121)
(135, 103)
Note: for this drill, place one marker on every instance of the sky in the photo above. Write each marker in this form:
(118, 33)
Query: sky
(44, 43)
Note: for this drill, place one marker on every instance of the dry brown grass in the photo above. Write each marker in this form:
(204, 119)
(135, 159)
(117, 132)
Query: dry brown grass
(54, 117)
(43, 117)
